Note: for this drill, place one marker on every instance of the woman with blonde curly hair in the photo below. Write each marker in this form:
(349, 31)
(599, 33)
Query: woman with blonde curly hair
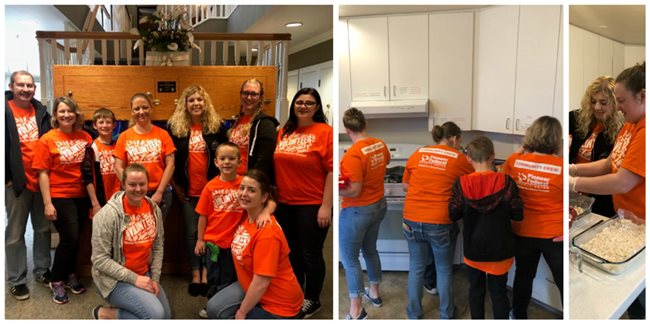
(254, 131)
(196, 130)
(593, 129)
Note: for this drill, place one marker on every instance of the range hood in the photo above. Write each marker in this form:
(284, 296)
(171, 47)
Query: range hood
(393, 109)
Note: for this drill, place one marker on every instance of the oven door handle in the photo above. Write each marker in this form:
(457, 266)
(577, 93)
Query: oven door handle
(395, 203)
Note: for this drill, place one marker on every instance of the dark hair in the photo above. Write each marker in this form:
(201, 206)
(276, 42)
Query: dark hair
(263, 180)
(446, 131)
(292, 122)
(544, 136)
(135, 167)
(480, 149)
(633, 78)
(227, 144)
(354, 120)
(79, 120)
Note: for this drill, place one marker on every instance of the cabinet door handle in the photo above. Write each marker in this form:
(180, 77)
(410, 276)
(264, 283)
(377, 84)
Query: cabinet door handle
(517, 124)
(384, 91)
(156, 102)
(70, 93)
(300, 85)
(319, 83)
(394, 91)
(508, 123)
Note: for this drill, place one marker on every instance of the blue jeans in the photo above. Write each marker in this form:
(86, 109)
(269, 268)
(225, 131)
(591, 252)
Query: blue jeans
(135, 303)
(191, 222)
(226, 302)
(19, 209)
(422, 239)
(358, 230)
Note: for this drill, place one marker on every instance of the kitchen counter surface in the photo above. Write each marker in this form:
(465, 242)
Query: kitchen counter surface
(595, 294)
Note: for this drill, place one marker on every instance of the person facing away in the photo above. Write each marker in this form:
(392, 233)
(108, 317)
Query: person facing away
(487, 201)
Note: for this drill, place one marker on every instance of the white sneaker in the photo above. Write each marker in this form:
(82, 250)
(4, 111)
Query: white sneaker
(203, 313)
(431, 290)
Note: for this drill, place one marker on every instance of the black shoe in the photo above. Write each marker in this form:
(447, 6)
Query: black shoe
(310, 307)
(20, 292)
(194, 289)
(44, 278)
(204, 289)
(363, 315)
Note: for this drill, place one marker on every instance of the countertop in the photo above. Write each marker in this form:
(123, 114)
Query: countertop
(595, 294)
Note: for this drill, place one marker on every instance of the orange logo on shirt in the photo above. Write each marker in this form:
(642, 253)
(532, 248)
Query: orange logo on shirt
(27, 129)
(239, 242)
(141, 229)
(71, 151)
(297, 144)
(197, 144)
(587, 147)
(225, 200)
(106, 162)
(144, 151)
(620, 148)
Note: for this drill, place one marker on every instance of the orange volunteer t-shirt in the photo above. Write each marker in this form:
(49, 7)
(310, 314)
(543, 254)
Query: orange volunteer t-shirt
(629, 153)
(584, 153)
(265, 252)
(197, 167)
(539, 178)
(219, 204)
(27, 137)
(62, 154)
(430, 174)
(240, 136)
(149, 150)
(302, 161)
(104, 155)
(365, 162)
(138, 236)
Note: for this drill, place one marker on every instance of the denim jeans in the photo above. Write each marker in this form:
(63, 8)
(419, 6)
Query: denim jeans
(191, 222)
(226, 302)
(430, 272)
(70, 213)
(422, 239)
(18, 210)
(358, 230)
(135, 303)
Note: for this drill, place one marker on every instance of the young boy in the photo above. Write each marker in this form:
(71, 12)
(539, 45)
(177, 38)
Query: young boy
(487, 201)
(98, 165)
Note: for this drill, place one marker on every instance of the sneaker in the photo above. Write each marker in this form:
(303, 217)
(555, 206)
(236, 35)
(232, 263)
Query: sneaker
(20, 292)
(75, 286)
(44, 278)
(194, 289)
(310, 307)
(511, 314)
(377, 302)
(203, 313)
(58, 292)
(95, 312)
(431, 289)
(362, 316)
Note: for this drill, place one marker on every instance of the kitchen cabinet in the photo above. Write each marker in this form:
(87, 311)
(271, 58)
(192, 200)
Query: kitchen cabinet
(451, 56)
(618, 58)
(345, 97)
(319, 77)
(388, 57)
(558, 102)
(517, 66)
(605, 55)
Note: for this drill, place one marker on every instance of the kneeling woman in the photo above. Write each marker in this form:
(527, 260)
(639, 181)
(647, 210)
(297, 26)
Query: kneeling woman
(267, 287)
(127, 245)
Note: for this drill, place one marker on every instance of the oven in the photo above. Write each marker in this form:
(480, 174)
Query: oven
(391, 245)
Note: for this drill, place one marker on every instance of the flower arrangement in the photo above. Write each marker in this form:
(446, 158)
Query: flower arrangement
(165, 32)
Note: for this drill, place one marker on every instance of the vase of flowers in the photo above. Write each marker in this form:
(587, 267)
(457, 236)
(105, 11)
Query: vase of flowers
(167, 37)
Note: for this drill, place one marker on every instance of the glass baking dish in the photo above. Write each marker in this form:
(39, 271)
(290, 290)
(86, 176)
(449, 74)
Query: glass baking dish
(600, 262)
(582, 202)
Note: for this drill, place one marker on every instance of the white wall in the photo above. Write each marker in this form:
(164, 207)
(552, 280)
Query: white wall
(634, 54)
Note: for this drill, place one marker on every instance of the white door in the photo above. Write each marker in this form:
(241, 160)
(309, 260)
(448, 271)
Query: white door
(368, 41)
(308, 78)
(292, 84)
(325, 89)
(408, 52)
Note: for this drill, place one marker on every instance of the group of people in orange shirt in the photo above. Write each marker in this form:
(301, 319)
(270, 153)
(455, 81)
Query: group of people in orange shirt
(222, 179)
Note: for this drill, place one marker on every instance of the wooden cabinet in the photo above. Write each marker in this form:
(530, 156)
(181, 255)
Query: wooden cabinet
(388, 57)
(93, 87)
(517, 66)
(451, 55)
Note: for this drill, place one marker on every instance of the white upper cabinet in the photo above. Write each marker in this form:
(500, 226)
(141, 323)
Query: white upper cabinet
(408, 53)
(451, 56)
(388, 57)
(517, 66)
(558, 104)
(495, 73)
(537, 53)
(368, 44)
(344, 97)
(605, 55)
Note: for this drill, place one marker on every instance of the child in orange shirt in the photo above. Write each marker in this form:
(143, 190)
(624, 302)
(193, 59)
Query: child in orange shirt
(487, 201)
(98, 165)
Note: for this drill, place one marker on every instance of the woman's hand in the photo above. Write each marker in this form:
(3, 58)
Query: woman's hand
(199, 248)
(145, 283)
(263, 219)
(324, 217)
(157, 197)
(94, 211)
(50, 212)
(156, 288)
(240, 315)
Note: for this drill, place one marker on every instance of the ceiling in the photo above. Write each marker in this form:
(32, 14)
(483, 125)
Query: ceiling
(316, 28)
(625, 23)
(349, 11)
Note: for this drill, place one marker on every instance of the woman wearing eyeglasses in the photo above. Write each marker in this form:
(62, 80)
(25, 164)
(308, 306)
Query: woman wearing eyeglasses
(254, 131)
(303, 174)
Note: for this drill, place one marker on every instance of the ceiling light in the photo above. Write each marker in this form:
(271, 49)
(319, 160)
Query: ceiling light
(293, 24)
(254, 49)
